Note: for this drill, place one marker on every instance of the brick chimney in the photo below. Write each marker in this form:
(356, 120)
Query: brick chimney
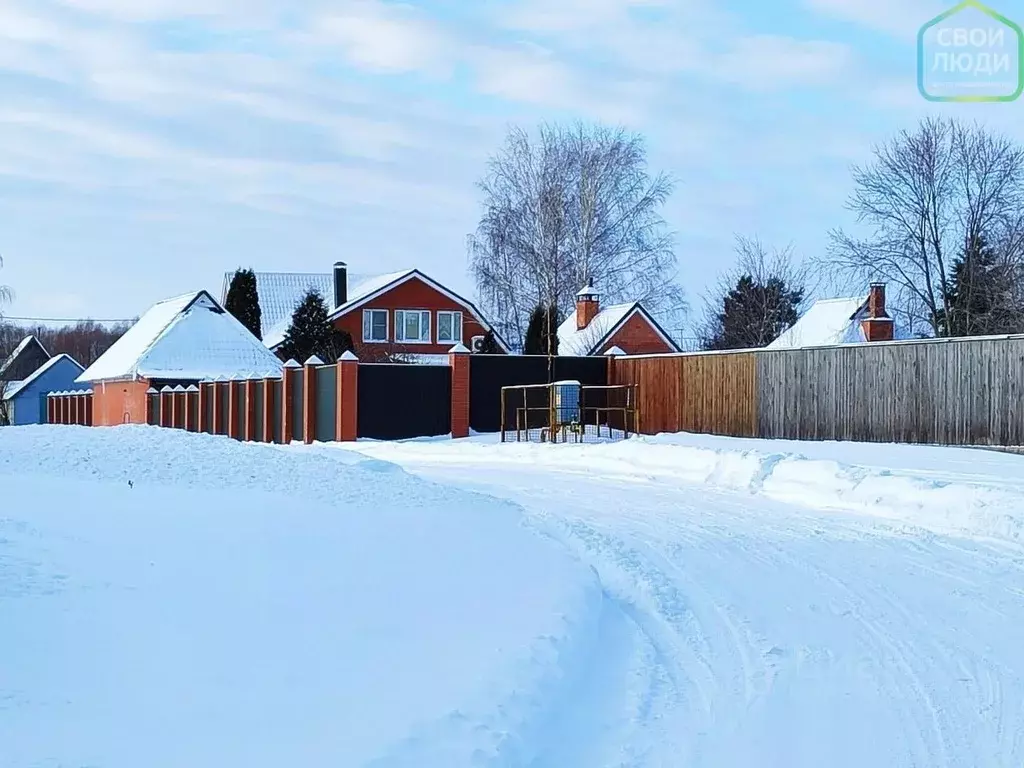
(878, 326)
(340, 283)
(588, 304)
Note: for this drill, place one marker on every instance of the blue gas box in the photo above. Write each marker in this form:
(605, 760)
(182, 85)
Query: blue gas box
(567, 401)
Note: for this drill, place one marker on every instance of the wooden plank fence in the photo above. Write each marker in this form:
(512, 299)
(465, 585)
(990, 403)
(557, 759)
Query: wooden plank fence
(945, 391)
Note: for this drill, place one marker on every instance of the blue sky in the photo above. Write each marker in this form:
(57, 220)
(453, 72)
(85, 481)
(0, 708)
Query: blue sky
(147, 146)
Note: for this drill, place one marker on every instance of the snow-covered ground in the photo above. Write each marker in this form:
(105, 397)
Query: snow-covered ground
(671, 601)
(239, 606)
(786, 604)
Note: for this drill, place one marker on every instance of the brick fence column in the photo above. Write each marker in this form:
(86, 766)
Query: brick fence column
(458, 359)
(347, 424)
(287, 412)
(309, 399)
(268, 410)
(234, 396)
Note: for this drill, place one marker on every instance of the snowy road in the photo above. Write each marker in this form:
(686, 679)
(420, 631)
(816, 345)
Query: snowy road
(741, 631)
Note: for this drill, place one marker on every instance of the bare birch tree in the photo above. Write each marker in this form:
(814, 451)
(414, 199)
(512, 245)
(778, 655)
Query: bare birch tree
(922, 201)
(576, 203)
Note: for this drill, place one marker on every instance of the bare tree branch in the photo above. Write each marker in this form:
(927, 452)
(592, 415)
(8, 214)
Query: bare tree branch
(573, 204)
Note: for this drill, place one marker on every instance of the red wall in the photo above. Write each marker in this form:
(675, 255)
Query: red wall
(119, 402)
(637, 337)
(412, 294)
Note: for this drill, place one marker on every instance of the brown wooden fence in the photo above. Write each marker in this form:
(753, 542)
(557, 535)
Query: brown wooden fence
(948, 391)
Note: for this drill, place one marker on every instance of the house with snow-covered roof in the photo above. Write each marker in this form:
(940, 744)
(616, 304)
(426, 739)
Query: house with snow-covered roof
(830, 322)
(24, 402)
(617, 329)
(24, 359)
(404, 314)
(178, 341)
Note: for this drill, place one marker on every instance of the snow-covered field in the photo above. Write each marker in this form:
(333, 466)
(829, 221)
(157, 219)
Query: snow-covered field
(672, 601)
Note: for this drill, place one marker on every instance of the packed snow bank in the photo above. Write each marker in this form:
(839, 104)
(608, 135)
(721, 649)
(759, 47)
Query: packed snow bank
(169, 599)
(946, 490)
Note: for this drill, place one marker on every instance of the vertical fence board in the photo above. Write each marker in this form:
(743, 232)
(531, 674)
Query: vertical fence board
(327, 403)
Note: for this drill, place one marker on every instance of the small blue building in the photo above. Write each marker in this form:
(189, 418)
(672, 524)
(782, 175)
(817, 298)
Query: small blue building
(25, 400)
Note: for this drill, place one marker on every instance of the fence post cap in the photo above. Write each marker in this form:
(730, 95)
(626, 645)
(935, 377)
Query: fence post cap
(348, 356)
(314, 360)
(458, 349)
(152, 391)
(167, 388)
(613, 351)
(292, 363)
(192, 388)
(180, 388)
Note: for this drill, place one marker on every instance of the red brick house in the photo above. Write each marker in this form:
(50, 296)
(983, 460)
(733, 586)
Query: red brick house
(621, 328)
(404, 315)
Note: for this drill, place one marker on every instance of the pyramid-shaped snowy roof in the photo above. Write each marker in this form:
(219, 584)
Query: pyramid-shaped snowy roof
(187, 337)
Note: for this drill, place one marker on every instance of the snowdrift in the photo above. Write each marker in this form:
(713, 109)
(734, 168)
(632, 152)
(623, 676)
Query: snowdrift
(170, 599)
(962, 491)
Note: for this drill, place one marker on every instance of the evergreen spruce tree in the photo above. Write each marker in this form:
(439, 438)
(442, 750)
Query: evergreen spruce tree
(490, 345)
(754, 314)
(542, 328)
(243, 301)
(311, 333)
(980, 295)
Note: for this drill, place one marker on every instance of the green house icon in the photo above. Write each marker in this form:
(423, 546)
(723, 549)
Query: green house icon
(1013, 29)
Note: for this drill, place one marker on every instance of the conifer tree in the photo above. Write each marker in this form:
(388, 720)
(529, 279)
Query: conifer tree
(543, 328)
(312, 333)
(243, 301)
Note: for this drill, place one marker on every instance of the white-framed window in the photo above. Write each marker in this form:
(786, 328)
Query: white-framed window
(449, 327)
(375, 325)
(412, 326)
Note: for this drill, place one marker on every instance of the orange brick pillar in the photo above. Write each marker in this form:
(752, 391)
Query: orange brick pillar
(234, 393)
(268, 410)
(287, 413)
(458, 359)
(347, 426)
(191, 397)
(309, 399)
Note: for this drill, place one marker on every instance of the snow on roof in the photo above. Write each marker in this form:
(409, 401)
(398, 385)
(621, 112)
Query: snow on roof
(574, 343)
(22, 346)
(15, 387)
(281, 292)
(186, 337)
(826, 323)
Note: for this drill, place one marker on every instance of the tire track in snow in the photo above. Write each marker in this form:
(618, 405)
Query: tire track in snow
(869, 625)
